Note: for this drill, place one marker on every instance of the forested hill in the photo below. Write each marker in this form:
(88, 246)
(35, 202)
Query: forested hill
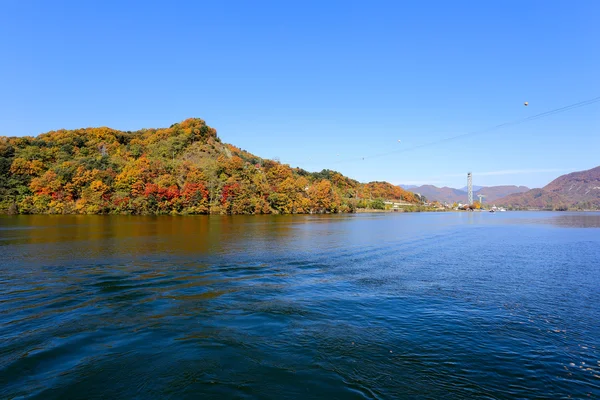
(184, 169)
(577, 190)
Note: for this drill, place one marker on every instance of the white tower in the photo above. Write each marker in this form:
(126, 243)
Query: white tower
(470, 187)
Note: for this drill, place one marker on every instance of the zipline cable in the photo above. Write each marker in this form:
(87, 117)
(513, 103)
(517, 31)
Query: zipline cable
(493, 128)
(496, 127)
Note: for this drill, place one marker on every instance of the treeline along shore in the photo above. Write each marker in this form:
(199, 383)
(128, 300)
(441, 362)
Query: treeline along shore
(183, 169)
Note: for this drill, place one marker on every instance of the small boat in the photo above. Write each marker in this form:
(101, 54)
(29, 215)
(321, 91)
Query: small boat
(493, 211)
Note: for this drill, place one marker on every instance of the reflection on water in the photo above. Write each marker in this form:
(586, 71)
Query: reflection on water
(579, 220)
(455, 305)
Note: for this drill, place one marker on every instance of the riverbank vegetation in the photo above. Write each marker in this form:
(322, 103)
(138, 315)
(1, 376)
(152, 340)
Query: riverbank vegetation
(183, 169)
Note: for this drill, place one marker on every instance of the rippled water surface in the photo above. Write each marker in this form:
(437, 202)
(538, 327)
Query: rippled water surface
(445, 305)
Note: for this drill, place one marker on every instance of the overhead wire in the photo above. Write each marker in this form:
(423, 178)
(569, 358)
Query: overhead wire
(487, 130)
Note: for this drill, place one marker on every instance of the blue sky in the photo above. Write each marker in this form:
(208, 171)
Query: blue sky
(321, 84)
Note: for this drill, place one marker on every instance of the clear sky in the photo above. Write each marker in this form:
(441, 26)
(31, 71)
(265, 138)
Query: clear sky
(321, 84)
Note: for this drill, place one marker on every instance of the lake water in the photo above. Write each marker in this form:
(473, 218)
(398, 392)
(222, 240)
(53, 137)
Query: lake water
(424, 305)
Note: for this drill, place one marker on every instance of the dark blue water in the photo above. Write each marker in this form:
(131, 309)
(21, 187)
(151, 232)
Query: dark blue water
(442, 305)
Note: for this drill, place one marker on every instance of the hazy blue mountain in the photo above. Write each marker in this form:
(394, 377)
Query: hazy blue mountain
(475, 188)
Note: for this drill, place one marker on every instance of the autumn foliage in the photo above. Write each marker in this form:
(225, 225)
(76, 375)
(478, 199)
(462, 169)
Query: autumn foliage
(184, 169)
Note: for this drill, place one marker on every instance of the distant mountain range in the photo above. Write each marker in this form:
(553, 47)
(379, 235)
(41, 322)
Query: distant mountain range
(443, 194)
(580, 190)
(494, 193)
(450, 195)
